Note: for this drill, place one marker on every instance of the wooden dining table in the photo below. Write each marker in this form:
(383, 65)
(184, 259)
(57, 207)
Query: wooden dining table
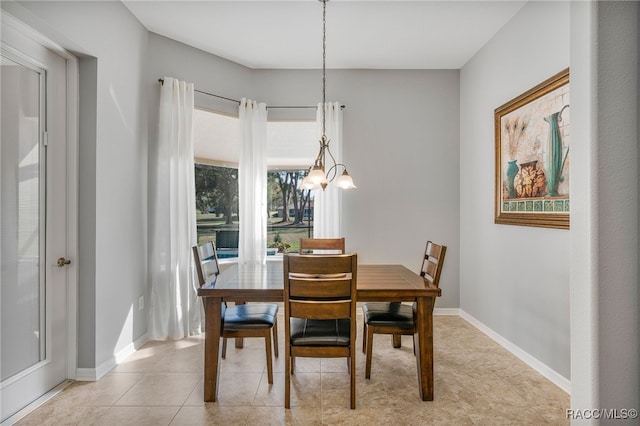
(264, 283)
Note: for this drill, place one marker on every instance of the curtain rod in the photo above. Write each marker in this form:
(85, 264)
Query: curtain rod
(161, 81)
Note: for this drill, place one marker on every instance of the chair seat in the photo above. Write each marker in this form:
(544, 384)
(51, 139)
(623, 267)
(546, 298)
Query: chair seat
(394, 314)
(259, 315)
(305, 332)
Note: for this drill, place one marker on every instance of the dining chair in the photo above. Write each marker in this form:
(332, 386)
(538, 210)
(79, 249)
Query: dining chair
(320, 311)
(398, 318)
(325, 245)
(333, 244)
(246, 320)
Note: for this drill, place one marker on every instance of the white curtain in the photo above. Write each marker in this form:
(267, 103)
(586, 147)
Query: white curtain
(327, 216)
(175, 311)
(252, 182)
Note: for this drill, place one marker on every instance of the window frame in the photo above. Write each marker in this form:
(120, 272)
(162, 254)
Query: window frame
(271, 230)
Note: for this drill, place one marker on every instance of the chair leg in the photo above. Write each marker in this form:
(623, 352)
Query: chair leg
(413, 337)
(267, 345)
(224, 347)
(397, 340)
(367, 370)
(287, 376)
(352, 364)
(275, 338)
(364, 337)
(293, 365)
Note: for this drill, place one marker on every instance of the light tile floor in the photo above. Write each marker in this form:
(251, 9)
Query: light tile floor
(477, 382)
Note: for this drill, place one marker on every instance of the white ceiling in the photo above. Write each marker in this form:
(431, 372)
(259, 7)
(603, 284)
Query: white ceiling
(392, 34)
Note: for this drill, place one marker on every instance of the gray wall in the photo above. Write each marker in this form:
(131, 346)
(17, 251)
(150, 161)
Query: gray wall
(604, 234)
(401, 147)
(513, 279)
(208, 73)
(617, 204)
(113, 171)
(604, 247)
(406, 123)
(584, 276)
(596, 262)
(87, 90)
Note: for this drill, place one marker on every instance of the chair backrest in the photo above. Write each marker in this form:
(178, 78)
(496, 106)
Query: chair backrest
(432, 262)
(227, 239)
(206, 261)
(320, 287)
(333, 244)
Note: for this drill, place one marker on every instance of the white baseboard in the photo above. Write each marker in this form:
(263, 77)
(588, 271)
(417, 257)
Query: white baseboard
(556, 378)
(131, 348)
(93, 374)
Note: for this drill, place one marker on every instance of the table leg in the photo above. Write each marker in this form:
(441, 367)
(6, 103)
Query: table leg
(424, 343)
(213, 326)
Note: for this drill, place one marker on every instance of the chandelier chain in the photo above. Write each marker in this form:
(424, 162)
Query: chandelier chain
(324, 63)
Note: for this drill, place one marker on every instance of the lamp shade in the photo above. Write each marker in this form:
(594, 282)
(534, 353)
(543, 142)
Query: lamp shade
(307, 184)
(317, 177)
(345, 181)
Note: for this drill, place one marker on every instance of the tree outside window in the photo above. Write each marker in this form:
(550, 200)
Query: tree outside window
(290, 209)
(291, 146)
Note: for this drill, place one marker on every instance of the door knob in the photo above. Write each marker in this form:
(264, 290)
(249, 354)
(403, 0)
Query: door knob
(62, 261)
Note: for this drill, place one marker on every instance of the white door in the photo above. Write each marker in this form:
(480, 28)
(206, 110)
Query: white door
(33, 195)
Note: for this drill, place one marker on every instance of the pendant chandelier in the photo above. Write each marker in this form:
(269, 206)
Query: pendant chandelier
(317, 177)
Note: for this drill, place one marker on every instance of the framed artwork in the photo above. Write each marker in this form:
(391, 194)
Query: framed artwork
(533, 136)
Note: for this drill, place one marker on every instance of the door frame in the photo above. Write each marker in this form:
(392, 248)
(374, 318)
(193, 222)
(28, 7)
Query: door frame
(72, 179)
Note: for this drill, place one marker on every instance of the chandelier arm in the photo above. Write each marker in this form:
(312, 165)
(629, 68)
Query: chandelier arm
(333, 171)
(328, 150)
(320, 158)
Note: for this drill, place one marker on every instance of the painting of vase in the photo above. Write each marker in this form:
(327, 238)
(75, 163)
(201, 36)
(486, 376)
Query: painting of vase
(555, 157)
(533, 135)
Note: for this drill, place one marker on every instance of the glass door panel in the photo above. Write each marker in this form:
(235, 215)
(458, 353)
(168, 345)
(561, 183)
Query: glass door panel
(22, 219)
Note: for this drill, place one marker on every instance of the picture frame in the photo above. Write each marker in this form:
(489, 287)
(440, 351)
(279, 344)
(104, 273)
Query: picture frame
(532, 140)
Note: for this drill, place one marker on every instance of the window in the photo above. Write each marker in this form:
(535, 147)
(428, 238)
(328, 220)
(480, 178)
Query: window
(216, 152)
